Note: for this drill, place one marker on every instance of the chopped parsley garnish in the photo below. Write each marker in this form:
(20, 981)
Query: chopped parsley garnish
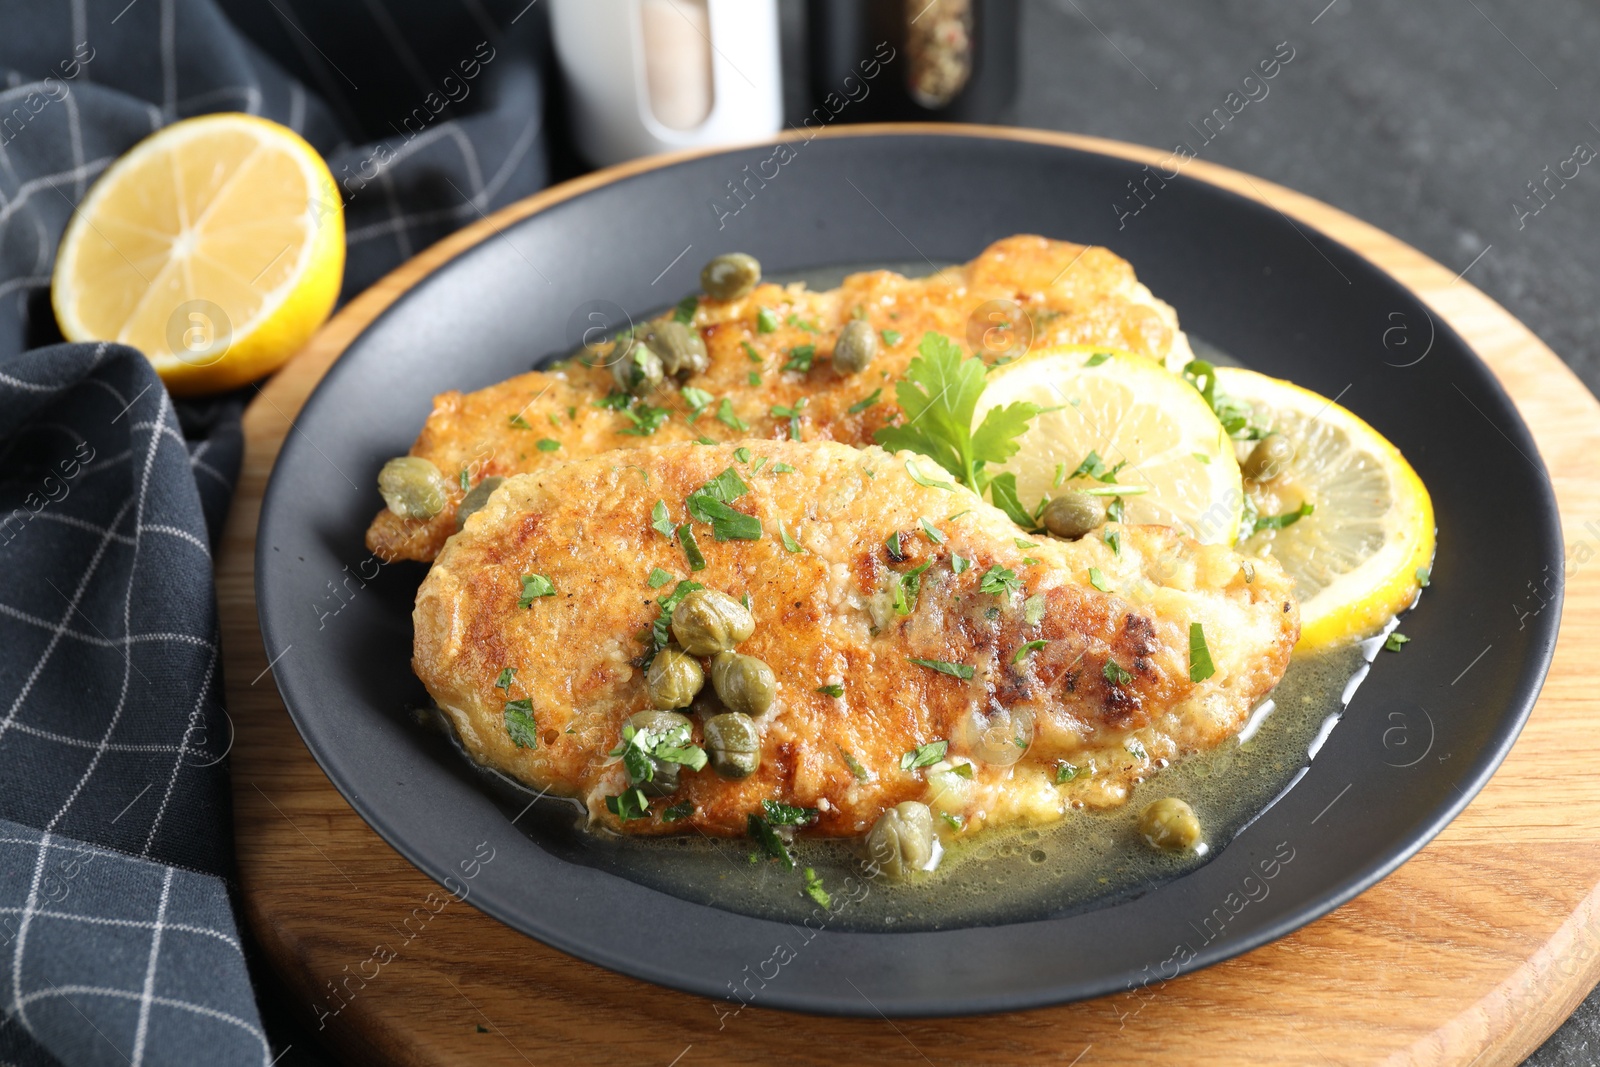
(789, 543)
(831, 690)
(1114, 509)
(642, 750)
(465, 478)
(629, 804)
(678, 812)
(854, 764)
(520, 723)
(998, 579)
(1097, 359)
(792, 414)
(1251, 521)
(1024, 545)
(507, 676)
(1022, 653)
(1200, 665)
(534, 586)
(697, 399)
(962, 770)
(892, 337)
(661, 522)
(753, 378)
(815, 891)
(955, 822)
(704, 440)
(1098, 580)
(1061, 476)
(1424, 577)
(782, 468)
(766, 320)
(709, 504)
(780, 814)
(1003, 492)
(1236, 418)
(924, 755)
(691, 548)
(1115, 674)
(616, 400)
(645, 418)
(1033, 609)
(954, 670)
(892, 543)
(768, 839)
(1065, 772)
(750, 352)
(939, 395)
(865, 402)
(519, 422)
(1114, 539)
(684, 311)
(923, 480)
(1135, 749)
(761, 461)
(1201, 457)
(906, 587)
(1095, 467)
(959, 564)
(1029, 561)
(932, 532)
(726, 416)
(658, 577)
(801, 358)
(1393, 642)
(801, 324)
(547, 444)
(742, 454)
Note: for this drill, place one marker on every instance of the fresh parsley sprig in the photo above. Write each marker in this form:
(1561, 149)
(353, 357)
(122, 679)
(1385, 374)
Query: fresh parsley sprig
(939, 395)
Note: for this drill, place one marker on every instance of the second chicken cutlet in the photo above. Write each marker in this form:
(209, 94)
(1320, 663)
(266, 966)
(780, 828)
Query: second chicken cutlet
(771, 372)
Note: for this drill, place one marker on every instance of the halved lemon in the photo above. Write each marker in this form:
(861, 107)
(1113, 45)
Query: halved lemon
(1355, 557)
(1123, 413)
(215, 246)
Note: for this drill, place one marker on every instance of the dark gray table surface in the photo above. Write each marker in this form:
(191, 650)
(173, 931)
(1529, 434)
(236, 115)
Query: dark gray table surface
(1426, 118)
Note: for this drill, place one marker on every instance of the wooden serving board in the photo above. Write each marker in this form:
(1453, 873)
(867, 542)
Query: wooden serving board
(1472, 952)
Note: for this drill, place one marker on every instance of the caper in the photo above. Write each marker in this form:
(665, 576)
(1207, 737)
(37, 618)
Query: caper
(635, 367)
(663, 775)
(681, 348)
(476, 499)
(674, 678)
(730, 276)
(1073, 515)
(901, 841)
(412, 487)
(1270, 458)
(744, 683)
(1170, 824)
(856, 347)
(732, 744)
(707, 622)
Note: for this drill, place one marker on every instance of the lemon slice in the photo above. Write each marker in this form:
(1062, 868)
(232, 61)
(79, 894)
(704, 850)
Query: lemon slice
(215, 246)
(1126, 409)
(1354, 559)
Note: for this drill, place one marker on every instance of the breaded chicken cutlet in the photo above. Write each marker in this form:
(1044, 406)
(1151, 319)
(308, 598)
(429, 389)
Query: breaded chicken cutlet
(894, 615)
(771, 372)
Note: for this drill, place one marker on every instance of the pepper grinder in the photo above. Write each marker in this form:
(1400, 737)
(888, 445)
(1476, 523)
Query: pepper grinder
(647, 76)
(953, 60)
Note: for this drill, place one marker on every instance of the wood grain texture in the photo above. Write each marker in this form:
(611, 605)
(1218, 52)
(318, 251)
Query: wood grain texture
(1472, 952)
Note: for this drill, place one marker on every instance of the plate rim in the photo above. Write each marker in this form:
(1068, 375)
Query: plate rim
(396, 285)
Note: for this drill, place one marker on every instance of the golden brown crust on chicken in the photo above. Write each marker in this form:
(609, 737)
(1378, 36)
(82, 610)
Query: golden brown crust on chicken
(825, 616)
(1072, 294)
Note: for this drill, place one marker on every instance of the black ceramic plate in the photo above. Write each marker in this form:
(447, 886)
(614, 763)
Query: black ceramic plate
(1422, 736)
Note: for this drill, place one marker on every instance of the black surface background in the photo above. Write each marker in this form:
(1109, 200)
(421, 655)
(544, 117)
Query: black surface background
(1426, 118)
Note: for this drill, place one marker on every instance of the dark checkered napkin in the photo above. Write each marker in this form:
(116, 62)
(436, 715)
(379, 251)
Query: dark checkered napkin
(115, 838)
